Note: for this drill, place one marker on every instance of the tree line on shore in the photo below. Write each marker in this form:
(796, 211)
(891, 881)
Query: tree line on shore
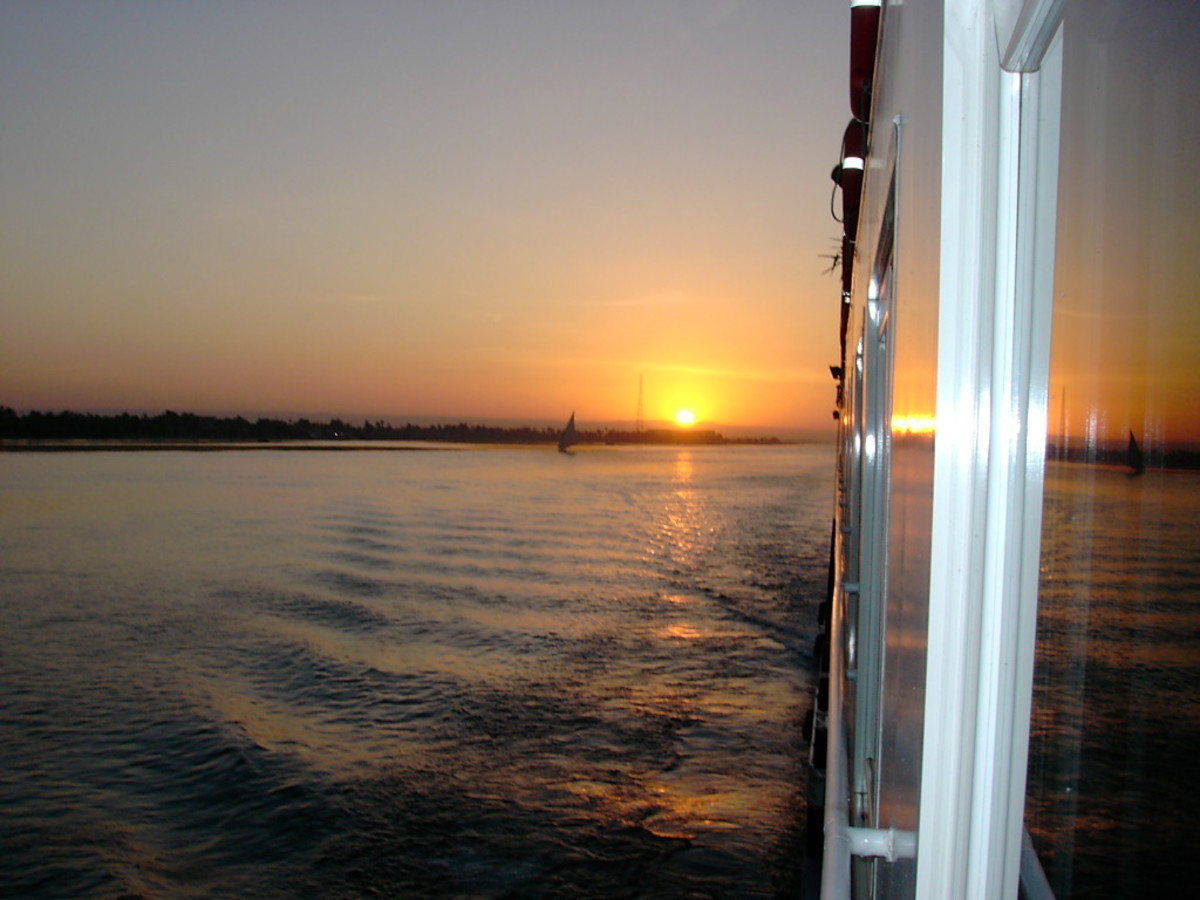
(173, 426)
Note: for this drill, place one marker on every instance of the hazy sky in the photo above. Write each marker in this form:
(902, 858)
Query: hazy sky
(478, 208)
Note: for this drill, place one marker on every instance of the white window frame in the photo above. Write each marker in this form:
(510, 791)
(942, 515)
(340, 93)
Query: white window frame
(999, 196)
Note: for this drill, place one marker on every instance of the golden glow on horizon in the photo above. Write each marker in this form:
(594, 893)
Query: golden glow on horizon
(686, 418)
(463, 283)
(914, 424)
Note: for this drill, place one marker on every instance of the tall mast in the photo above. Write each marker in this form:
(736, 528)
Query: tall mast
(640, 424)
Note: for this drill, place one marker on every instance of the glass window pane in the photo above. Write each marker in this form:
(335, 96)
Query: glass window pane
(1113, 790)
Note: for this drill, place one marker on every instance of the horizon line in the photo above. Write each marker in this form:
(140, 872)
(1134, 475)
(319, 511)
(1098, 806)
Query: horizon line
(395, 419)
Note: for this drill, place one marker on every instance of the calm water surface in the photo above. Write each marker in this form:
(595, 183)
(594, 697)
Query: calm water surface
(455, 673)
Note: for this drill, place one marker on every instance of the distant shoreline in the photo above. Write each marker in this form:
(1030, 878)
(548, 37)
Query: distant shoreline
(187, 446)
(317, 446)
(171, 430)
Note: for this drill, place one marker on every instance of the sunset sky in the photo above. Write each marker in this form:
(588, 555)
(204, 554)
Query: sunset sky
(471, 208)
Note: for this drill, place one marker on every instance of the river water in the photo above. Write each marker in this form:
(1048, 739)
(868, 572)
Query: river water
(498, 672)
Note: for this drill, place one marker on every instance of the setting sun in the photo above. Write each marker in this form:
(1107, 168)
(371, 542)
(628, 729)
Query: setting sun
(685, 417)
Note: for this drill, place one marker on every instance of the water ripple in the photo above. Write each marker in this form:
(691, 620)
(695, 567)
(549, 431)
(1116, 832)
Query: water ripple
(431, 676)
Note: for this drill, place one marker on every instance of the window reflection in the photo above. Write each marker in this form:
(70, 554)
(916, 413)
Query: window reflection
(1112, 793)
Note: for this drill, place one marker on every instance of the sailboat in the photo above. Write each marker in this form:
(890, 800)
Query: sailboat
(568, 436)
(1134, 458)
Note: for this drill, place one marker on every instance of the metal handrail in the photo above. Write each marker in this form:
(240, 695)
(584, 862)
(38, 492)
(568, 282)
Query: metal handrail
(843, 840)
(835, 861)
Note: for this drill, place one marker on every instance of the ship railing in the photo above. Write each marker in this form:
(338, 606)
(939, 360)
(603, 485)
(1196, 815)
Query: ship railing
(843, 840)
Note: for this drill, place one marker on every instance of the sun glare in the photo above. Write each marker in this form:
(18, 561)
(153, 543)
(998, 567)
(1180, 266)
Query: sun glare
(685, 417)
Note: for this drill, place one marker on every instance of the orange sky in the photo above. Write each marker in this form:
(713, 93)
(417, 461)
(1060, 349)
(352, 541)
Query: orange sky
(457, 208)
(1126, 321)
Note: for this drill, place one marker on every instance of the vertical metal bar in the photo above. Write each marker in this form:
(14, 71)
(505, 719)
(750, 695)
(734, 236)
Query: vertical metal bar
(835, 864)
